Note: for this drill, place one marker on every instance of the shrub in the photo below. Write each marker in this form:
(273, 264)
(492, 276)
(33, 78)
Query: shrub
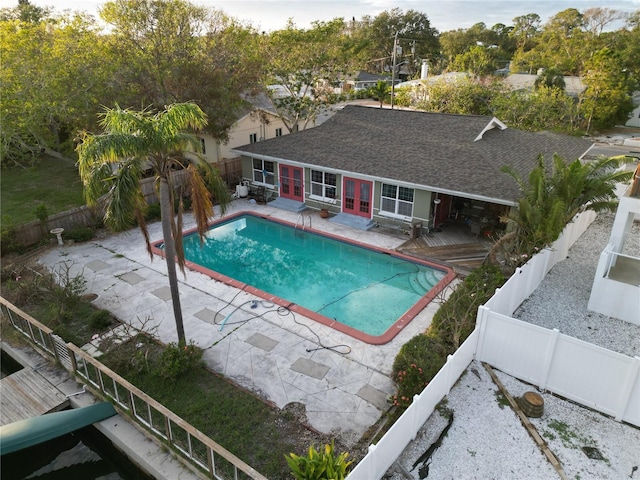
(79, 234)
(100, 320)
(417, 362)
(177, 360)
(152, 212)
(319, 466)
(456, 318)
(8, 242)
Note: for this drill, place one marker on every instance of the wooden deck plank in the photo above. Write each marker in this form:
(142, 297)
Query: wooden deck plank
(25, 394)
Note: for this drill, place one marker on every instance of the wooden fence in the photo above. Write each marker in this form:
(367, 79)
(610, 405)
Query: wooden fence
(33, 232)
(191, 445)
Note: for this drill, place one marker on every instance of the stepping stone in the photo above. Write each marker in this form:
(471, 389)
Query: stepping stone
(163, 293)
(97, 265)
(261, 341)
(310, 368)
(374, 396)
(132, 278)
(207, 315)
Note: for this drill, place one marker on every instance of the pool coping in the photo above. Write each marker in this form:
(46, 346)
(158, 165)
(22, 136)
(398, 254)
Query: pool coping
(386, 337)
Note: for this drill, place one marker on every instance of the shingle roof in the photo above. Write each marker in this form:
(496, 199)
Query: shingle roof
(434, 150)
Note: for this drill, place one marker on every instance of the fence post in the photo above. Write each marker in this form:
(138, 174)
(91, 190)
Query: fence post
(627, 388)
(371, 468)
(548, 357)
(481, 324)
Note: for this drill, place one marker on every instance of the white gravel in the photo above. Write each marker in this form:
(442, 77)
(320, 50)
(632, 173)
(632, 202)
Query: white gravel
(561, 299)
(487, 440)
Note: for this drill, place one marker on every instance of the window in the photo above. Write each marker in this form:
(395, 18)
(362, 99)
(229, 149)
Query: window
(263, 171)
(203, 145)
(253, 138)
(323, 184)
(397, 200)
(278, 132)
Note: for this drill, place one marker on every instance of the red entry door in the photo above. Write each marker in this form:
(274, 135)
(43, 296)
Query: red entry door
(291, 184)
(357, 197)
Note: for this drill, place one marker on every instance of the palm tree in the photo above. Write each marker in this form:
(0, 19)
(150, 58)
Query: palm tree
(112, 164)
(381, 91)
(551, 199)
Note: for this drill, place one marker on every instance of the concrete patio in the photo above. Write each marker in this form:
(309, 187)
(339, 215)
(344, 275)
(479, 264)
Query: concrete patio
(343, 383)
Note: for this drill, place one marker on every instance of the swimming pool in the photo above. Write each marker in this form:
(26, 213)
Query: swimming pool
(365, 292)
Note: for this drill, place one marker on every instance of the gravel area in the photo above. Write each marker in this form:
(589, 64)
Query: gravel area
(487, 439)
(560, 301)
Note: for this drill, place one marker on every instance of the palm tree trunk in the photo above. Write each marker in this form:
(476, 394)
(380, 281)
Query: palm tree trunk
(166, 211)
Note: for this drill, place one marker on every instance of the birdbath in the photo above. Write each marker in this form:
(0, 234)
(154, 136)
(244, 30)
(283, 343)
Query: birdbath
(58, 233)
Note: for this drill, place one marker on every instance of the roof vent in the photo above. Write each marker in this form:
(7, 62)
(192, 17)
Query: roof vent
(494, 123)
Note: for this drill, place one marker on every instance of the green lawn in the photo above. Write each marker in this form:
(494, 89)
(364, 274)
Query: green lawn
(51, 182)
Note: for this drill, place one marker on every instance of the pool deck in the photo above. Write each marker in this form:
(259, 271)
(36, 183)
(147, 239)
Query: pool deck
(344, 390)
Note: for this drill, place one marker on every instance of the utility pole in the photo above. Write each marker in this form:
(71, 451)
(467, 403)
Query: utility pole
(393, 68)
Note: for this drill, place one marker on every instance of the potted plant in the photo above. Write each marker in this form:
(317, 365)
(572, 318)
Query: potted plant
(325, 203)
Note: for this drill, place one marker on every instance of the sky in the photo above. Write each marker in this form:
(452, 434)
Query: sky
(444, 15)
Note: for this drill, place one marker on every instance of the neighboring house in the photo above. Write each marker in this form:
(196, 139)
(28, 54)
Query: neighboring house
(616, 286)
(364, 80)
(391, 165)
(419, 89)
(573, 86)
(258, 122)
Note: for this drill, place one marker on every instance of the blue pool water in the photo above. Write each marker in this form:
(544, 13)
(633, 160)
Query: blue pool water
(357, 286)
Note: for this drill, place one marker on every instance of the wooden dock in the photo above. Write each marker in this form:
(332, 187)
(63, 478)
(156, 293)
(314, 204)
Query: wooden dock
(25, 394)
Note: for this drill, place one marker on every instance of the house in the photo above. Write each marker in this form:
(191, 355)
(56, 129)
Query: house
(259, 121)
(616, 286)
(573, 86)
(390, 166)
(363, 80)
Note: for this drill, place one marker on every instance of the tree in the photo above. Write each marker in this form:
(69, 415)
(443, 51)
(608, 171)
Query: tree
(173, 51)
(476, 61)
(302, 66)
(607, 100)
(137, 140)
(381, 91)
(54, 77)
(551, 198)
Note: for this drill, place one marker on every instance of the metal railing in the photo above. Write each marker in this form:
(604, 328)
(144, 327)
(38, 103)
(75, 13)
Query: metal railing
(184, 439)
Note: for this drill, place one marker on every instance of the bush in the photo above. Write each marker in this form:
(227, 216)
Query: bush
(152, 212)
(456, 318)
(8, 243)
(100, 320)
(319, 466)
(79, 234)
(177, 360)
(417, 362)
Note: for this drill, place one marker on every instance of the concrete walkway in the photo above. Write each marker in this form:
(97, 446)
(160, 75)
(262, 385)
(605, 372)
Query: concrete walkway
(280, 358)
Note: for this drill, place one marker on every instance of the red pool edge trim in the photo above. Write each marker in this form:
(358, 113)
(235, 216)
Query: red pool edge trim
(386, 337)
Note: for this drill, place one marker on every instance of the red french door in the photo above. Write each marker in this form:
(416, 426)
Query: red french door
(357, 197)
(291, 184)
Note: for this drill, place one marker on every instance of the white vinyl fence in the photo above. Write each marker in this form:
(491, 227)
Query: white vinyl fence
(590, 375)
(604, 380)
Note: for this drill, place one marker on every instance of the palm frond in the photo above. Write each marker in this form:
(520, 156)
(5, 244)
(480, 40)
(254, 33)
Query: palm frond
(125, 197)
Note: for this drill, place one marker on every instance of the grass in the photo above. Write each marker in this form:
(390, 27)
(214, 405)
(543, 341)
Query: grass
(51, 182)
(250, 429)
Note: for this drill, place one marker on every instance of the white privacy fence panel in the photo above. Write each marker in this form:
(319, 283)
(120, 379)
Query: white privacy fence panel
(382, 455)
(527, 278)
(606, 381)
